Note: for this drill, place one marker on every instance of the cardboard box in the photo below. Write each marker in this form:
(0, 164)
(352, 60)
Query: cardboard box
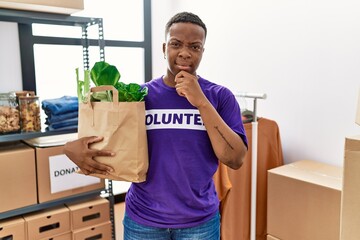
(52, 6)
(304, 201)
(47, 223)
(357, 120)
(269, 237)
(64, 236)
(57, 177)
(89, 213)
(98, 232)
(350, 205)
(13, 229)
(17, 176)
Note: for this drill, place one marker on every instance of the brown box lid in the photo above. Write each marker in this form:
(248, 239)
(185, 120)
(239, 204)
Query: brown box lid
(88, 213)
(101, 231)
(13, 228)
(47, 223)
(64, 236)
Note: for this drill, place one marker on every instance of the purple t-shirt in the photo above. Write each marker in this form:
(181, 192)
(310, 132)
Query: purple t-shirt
(179, 191)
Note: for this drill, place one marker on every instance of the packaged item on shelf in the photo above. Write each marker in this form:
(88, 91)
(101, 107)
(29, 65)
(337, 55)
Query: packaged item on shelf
(29, 113)
(61, 113)
(100, 231)
(12, 229)
(89, 213)
(62, 236)
(17, 176)
(24, 93)
(62, 7)
(9, 113)
(57, 175)
(47, 223)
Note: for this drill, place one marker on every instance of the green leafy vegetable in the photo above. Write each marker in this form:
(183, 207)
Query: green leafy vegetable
(131, 92)
(103, 73)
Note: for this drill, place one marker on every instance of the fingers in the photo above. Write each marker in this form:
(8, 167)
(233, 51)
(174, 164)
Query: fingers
(182, 84)
(180, 89)
(94, 139)
(83, 156)
(91, 166)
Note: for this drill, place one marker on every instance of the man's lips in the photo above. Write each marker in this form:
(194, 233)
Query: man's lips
(184, 67)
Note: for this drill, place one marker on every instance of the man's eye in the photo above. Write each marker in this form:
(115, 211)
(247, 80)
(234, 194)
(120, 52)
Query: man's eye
(174, 44)
(196, 47)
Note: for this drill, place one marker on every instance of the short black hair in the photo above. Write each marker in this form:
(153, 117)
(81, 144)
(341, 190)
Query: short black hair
(185, 17)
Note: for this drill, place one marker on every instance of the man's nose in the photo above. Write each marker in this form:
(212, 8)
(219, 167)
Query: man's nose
(184, 53)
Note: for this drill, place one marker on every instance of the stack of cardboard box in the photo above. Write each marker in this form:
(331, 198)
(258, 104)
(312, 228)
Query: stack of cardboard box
(57, 177)
(53, 6)
(304, 201)
(13, 229)
(17, 176)
(30, 175)
(310, 200)
(90, 219)
(76, 221)
(51, 223)
(350, 204)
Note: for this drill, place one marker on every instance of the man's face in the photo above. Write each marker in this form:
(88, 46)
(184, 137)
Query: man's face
(184, 48)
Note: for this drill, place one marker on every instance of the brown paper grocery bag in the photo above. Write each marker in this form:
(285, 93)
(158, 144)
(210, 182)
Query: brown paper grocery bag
(122, 124)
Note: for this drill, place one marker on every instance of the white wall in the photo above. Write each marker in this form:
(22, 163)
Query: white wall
(10, 66)
(305, 55)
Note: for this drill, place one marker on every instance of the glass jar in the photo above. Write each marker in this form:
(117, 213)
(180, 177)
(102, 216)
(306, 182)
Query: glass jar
(29, 113)
(24, 94)
(9, 113)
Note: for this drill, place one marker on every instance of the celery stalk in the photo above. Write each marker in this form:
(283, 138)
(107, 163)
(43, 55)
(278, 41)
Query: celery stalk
(86, 82)
(80, 86)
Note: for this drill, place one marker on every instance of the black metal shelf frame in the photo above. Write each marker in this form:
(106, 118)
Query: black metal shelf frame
(25, 19)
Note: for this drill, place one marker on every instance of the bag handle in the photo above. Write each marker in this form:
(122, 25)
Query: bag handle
(102, 88)
(107, 88)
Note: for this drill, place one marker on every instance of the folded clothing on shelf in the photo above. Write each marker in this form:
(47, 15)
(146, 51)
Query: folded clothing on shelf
(65, 123)
(62, 113)
(70, 127)
(51, 119)
(61, 105)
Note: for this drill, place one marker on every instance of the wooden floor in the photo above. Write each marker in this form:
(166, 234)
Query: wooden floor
(119, 215)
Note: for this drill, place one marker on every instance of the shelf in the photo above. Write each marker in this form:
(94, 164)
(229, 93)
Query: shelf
(54, 203)
(24, 20)
(41, 17)
(25, 136)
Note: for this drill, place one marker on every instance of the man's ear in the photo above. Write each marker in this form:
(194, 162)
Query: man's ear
(164, 48)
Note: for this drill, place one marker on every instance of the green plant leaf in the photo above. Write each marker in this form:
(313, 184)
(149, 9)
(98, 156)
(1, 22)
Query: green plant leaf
(103, 73)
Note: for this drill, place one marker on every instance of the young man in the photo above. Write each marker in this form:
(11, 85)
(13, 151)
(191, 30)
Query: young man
(192, 124)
